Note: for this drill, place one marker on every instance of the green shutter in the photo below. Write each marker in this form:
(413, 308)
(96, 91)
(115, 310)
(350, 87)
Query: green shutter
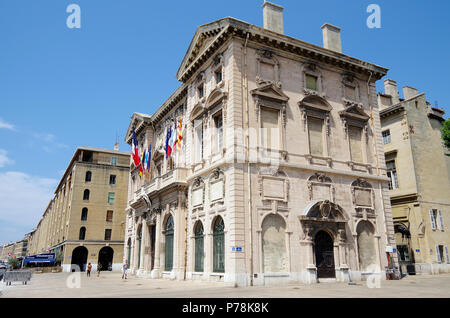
(219, 247)
(199, 248)
(169, 245)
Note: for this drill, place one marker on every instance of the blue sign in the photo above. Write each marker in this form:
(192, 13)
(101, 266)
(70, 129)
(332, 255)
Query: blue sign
(417, 251)
(40, 258)
(236, 249)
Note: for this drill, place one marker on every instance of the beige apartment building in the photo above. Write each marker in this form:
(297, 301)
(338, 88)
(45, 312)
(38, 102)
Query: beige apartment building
(281, 175)
(16, 249)
(85, 219)
(419, 172)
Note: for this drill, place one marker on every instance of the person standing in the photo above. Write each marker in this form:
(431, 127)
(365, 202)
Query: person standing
(89, 268)
(99, 268)
(125, 270)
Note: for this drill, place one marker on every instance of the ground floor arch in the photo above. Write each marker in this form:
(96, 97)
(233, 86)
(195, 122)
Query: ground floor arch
(79, 258)
(366, 246)
(105, 258)
(274, 244)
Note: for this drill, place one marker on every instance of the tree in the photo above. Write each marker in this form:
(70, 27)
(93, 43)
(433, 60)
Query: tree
(446, 134)
(14, 263)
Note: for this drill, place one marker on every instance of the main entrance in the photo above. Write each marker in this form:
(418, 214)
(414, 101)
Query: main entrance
(323, 249)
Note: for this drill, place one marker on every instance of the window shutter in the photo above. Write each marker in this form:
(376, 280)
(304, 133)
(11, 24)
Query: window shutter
(446, 254)
(433, 220)
(438, 254)
(441, 220)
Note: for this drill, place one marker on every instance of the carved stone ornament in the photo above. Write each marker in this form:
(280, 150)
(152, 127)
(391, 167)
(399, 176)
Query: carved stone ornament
(325, 209)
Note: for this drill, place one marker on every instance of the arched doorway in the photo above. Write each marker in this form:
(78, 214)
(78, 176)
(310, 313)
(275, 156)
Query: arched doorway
(323, 250)
(274, 244)
(105, 258)
(199, 250)
(219, 246)
(79, 258)
(139, 241)
(169, 244)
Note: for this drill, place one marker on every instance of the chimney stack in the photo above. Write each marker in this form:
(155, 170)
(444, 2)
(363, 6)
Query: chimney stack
(409, 92)
(331, 37)
(390, 88)
(116, 146)
(273, 17)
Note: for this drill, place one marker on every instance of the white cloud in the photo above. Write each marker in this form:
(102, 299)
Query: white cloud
(23, 199)
(4, 160)
(5, 125)
(51, 141)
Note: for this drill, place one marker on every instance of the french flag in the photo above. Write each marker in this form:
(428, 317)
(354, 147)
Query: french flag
(135, 150)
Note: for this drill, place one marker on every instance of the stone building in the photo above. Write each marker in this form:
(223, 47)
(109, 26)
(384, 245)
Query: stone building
(85, 219)
(419, 172)
(16, 249)
(281, 175)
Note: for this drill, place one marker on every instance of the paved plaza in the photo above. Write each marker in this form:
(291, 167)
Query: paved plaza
(111, 285)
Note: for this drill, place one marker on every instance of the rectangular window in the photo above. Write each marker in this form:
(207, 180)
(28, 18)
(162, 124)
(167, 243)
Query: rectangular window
(350, 92)
(109, 216)
(386, 137)
(392, 174)
(441, 220)
(315, 136)
(112, 179)
(440, 253)
(219, 132)
(201, 91)
(111, 196)
(198, 127)
(218, 74)
(113, 161)
(270, 130)
(108, 234)
(311, 82)
(354, 134)
(433, 218)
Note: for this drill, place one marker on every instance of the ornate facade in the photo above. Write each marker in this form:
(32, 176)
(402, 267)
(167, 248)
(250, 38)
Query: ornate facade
(281, 175)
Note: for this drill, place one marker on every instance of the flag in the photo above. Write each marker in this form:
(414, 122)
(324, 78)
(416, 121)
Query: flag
(179, 135)
(141, 166)
(173, 137)
(149, 155)
(168, 145)
(135, 150)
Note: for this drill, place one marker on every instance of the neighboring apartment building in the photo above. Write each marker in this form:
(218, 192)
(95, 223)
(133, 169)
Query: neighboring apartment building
(85, 219)
(281, 175)
(419, 172)
(16, 249)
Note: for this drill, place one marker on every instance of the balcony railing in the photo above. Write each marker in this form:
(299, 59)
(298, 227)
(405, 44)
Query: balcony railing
(175, 176)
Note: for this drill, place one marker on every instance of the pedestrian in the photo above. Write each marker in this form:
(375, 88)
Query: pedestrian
(89, 268)
(99, 268)
(125, 270)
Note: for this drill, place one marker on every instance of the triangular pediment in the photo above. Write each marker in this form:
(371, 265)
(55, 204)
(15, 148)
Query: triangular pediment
(137, 120)
(270, 91)
(203, 37)
(356, 112)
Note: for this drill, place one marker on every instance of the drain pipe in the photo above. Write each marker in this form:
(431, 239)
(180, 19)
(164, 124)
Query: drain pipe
(249, 188)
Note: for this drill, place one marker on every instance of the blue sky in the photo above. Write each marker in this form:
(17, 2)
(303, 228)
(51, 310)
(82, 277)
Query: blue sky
(61, 88)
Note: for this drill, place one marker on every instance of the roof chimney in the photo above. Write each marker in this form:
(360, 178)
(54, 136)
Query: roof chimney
(273, 17)
(332, 37)
(390, 88)
(409, 92)
(116, 146)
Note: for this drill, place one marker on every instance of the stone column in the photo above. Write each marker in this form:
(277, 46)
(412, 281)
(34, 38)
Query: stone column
(157, 264)
(143, 243)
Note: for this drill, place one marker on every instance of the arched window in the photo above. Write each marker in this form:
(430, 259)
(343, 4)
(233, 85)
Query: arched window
(219, 246)
(88, 176)
(199, 251)
(86, 195)
(82, 233)
(169, 244)
(84, 214)
(274, 244)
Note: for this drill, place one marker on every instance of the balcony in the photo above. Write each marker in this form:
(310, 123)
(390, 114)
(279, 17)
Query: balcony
(172, 178)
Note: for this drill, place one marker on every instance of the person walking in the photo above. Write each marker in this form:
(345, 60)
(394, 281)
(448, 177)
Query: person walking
(99, 268)
(89, 268)
(125, 270)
